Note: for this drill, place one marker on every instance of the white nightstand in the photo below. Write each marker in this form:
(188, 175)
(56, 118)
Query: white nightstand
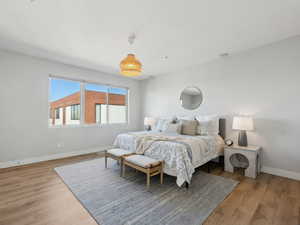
(250, 159)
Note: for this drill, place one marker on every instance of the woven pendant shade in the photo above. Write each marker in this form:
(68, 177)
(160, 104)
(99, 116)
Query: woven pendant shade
(130, 66)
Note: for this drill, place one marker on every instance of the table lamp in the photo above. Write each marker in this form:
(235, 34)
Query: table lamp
(243, 124)
(149, 122)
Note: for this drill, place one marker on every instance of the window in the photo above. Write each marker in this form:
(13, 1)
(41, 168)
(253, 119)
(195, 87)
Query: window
(77, 102)
(96, 103)
(75, 112)
(57, 113)
(117, 109)
(63, 95)
(100, 113)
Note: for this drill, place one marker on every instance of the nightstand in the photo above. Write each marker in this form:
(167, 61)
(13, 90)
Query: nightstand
(244, 157)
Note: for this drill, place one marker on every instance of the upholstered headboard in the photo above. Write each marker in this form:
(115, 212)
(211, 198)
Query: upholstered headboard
(222, 128)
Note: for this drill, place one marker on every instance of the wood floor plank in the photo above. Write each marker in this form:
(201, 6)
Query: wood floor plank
(250, 201)
(35, 195)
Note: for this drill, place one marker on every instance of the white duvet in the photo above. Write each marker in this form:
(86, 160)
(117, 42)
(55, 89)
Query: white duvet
(180, 158)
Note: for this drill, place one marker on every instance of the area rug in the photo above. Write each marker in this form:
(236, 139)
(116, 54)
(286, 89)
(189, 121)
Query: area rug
(114, 200)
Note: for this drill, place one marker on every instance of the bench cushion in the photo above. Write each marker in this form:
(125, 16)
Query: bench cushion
(118, 152)
(143, 161)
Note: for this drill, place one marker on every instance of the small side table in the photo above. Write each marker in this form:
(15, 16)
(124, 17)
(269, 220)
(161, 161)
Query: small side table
(246, 157)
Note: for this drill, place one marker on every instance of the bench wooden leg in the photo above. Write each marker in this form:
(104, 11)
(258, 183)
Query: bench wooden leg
(148, 178)
(123, 169)
(161, 174)
(105, 159)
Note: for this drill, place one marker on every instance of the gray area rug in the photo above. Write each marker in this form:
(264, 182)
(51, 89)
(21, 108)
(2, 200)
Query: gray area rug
(113, 200)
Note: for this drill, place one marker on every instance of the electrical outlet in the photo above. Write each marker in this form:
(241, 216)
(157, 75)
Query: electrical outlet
(60, 145)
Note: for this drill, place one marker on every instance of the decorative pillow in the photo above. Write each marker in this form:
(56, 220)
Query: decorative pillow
(189, 127)
(162, 125)
(173, 128)
(208, 125)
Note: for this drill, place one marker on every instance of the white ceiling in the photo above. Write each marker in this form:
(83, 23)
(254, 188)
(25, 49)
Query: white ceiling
(94, 33)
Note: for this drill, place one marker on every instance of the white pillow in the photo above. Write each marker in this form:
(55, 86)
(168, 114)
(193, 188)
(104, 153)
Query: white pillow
(162, 124)
(208, 125)
(185, 117)
(173, 128)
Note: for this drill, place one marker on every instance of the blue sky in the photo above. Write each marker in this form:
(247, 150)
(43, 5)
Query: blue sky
(62, 88)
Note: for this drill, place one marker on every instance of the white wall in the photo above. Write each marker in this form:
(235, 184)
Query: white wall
(24, 131)
(262, 82)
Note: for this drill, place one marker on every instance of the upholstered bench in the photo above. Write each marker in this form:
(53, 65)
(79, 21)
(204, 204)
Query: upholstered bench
(146, 165)
(117, 154)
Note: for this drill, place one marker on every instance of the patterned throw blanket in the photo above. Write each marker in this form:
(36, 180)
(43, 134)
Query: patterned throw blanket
(144, 142)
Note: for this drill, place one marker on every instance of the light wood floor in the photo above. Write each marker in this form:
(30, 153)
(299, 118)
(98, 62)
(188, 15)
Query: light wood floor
(35, 195)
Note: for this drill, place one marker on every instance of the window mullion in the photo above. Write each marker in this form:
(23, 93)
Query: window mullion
(126, 104)
(49, 103)
(107, 105)
(82, 102)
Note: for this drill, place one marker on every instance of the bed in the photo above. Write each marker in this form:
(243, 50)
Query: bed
(181, 153)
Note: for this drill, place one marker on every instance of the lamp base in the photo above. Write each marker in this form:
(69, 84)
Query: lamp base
(243, 138)
(147, 127)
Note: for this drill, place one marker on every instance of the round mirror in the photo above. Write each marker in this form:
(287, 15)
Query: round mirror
(191, 98)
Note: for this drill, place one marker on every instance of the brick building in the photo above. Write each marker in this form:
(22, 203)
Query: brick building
(67, 110)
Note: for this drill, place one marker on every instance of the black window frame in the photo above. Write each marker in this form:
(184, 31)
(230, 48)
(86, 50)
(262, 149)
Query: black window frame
(57, 113)
(75, 112)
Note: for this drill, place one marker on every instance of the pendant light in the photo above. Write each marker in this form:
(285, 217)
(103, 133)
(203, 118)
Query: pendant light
(130, 66)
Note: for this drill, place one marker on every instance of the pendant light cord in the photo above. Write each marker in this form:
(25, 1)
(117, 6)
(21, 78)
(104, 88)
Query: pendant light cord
(131, 38)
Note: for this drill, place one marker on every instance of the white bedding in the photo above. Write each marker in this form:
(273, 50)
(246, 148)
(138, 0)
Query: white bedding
(180, 158)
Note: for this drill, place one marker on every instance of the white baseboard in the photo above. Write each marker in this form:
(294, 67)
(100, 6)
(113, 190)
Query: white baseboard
(50, 157)
(265, 169)
(281, 172)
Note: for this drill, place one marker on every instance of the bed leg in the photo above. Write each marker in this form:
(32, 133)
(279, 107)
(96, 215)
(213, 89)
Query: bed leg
(221, 160)
(105, 158)
(186, 185)
(208, 167)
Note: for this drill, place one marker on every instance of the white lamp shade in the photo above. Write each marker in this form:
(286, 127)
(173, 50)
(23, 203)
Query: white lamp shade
(242, 123)
(149, 121)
